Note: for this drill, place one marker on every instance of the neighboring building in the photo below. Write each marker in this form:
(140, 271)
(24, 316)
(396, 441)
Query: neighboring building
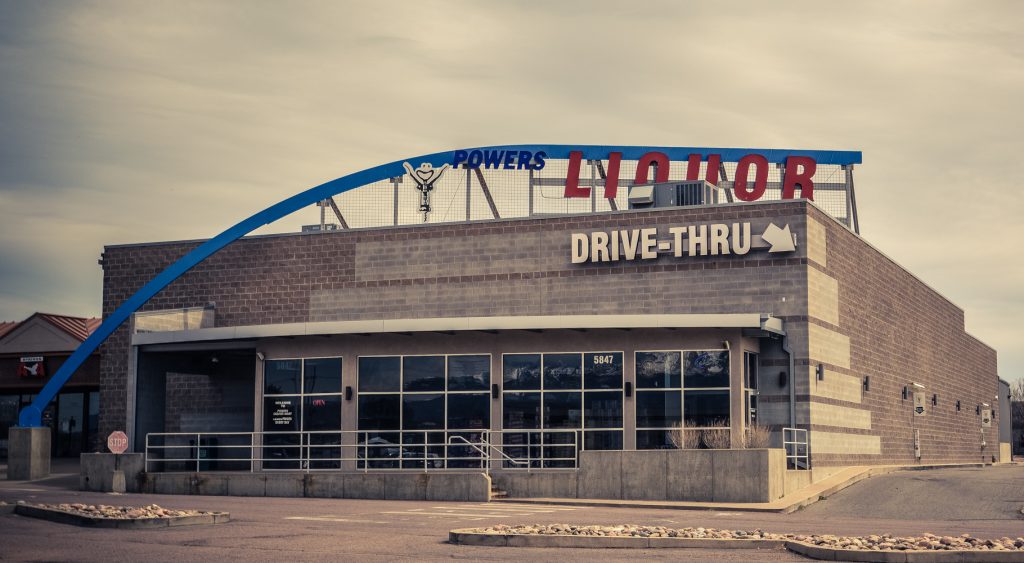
(447, 330)
(30, 352)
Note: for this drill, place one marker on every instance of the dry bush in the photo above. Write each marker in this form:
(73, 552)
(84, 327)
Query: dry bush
(758, 436)
(684, 438)
(716, 438)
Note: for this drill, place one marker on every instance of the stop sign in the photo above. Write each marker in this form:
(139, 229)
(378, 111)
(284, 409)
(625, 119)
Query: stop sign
(117, 442)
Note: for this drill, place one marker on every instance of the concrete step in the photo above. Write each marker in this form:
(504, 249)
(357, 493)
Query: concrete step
(497, 493)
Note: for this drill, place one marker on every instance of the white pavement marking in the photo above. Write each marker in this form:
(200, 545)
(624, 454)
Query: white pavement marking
(333, 519)
(479, 511)
(530, 507)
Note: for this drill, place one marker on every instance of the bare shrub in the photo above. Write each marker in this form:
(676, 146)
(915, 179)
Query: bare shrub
(758, 436)
(716, 438)
(684, 438)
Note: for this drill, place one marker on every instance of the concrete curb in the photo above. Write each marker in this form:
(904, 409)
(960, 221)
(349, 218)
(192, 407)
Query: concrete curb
(64, 517)
(467, 537)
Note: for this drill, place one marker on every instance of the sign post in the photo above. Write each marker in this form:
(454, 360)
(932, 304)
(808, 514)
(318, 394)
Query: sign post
(117, 443)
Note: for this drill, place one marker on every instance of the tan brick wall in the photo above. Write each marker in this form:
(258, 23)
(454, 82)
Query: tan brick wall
(822, 296)
(817, 242)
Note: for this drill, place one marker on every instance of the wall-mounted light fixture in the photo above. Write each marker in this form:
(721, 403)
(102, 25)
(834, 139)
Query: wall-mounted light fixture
(820, 370)
(783, 379)
(905, 392)
(958, 406)
(867, 383)
(935, 399)
(977, 410)
(348, 392)
(495, 391)
(629, 388)
(725, 344)
(260, 356)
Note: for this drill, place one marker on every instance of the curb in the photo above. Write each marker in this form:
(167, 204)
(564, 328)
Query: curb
(63, 517)
(467, 537)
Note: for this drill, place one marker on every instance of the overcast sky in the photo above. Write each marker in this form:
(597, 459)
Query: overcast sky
(141, 121)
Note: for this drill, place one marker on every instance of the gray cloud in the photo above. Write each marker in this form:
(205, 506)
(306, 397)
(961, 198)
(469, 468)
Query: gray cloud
(127, 122)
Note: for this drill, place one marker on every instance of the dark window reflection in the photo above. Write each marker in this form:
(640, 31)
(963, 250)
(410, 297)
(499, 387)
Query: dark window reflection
(521, 371)
(521, 410)
(379, 412)
(380, 374)
(562, 410)
(603, 440)
(423, 373)
(322, 413)
(658, 370)
(602, 409)
(707, 408)
(603, 370)
(322, 375)
(658, 409)
(469, 411)
(422, 412)
(707, 369)
(653, 440)
(469, 373)
(281, 377)
(562, 371)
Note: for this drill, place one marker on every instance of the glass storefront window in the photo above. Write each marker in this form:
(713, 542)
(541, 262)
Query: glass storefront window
(416, 395)
(562, 391)
(677, 388)
(301, 395)
(380, 374)
(322, 375)
(521, 371)
(423, 373)
(282, 377)
(469, 373)
(658, 370)
(707, 369)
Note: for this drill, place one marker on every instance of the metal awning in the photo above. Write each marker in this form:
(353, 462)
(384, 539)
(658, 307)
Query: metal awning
(760, 321)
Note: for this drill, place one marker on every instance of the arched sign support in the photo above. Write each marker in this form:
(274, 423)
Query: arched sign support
(31, 416)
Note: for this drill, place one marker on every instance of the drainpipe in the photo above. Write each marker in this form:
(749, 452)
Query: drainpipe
(791, 380)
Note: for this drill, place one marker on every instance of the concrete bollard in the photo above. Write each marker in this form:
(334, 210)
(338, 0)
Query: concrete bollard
(117, 482)
(28, 456)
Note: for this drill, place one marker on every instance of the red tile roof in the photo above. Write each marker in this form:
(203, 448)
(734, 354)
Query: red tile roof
(6, 326)
(78, 327)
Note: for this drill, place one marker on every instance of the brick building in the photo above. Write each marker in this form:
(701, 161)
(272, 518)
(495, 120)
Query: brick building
(33, 349)
(537, 329)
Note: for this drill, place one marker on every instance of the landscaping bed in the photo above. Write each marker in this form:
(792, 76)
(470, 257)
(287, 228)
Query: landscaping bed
(107, 516)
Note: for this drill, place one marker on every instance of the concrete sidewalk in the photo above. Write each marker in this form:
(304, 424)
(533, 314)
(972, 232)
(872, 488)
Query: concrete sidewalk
(789, 503)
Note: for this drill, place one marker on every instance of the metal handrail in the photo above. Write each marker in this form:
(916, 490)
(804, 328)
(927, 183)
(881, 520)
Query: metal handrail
(794, 440)
(348, 450)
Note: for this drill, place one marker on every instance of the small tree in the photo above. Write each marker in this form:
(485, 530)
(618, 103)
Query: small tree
(717, 438)
(685, 438)
(758, 436)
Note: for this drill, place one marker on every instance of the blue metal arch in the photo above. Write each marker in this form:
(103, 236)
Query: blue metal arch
(31, 416)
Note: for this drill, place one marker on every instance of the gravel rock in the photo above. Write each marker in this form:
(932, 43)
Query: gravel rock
(884, 542)
(120, 512)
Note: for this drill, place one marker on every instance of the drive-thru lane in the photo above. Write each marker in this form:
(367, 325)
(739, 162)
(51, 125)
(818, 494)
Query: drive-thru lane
(367, 530)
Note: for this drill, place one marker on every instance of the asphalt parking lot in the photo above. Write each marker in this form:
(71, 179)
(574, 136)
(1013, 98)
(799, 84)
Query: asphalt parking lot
(266, 529)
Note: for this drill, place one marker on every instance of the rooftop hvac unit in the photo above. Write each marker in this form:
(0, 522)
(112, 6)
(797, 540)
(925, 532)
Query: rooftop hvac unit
(674, 194)
(317, 229)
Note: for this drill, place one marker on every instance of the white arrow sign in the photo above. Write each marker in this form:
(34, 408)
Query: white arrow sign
(781, 240)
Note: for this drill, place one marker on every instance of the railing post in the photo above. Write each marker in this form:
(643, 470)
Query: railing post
(198, 450)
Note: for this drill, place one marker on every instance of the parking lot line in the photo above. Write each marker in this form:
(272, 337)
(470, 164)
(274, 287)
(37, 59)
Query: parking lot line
(333, 519)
